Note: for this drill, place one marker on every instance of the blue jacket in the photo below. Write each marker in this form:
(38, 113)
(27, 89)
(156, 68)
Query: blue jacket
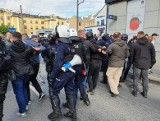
(61, 51)
(35, 58)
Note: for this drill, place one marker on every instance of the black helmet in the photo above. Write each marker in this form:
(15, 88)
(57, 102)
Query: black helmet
(124, 37)
(52, 36)
(89, 35)
(105, 36)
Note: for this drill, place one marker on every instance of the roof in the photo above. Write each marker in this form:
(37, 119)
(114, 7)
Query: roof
(114, 1)
(17, 14)
(99, 11)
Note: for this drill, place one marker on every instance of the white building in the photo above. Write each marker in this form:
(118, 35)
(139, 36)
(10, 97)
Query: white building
(99, 22)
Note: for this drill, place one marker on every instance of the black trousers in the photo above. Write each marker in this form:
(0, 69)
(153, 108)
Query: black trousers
(3, 90)
(34, 81)
(94, 69)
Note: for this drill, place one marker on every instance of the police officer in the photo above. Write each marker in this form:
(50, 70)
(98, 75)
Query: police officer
(124, 37)
(62, 79)
(104, 43)
(4, 68)
(80, 49)
(49, 56)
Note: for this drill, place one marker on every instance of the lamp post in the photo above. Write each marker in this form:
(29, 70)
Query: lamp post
(107, 11)
(78, 3)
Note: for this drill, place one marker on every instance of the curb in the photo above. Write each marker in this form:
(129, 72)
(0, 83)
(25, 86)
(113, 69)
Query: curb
(155, 80)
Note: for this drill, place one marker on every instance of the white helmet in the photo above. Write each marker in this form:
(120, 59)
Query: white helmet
(63, 33)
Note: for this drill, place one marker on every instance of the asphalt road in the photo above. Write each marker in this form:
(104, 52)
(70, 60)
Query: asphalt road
(103, 107)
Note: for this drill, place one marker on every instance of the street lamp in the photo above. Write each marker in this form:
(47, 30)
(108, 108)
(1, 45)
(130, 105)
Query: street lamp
(78, 3)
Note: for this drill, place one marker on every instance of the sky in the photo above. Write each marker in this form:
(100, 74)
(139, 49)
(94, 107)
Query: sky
(63, 8)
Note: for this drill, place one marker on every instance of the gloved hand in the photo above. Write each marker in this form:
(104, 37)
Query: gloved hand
(66, 67)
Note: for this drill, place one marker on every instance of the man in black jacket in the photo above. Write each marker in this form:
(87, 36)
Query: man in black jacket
(142, 57)
(95, 63)
(20, 54)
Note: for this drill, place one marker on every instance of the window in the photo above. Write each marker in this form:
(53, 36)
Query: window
(30, 21)
(36, 27)
(31, 32)
(42, 27)
(58, 23)
(97, 22)
(102, 22)
(8, 18)
(42, 22)
(24, 21)
(36, 22)
(62, 23)
(31, 27)
(25, 27)
(9, 24)
(79, 23)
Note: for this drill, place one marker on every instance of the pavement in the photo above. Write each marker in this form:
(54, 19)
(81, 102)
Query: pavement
(103, 107)
(155, 76)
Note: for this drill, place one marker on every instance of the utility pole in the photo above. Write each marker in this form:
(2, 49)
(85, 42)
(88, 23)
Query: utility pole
(23, 30)
(107, 11)
(78, 12)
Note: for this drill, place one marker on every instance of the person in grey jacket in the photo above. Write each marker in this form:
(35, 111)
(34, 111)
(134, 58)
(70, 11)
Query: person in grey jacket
(117, 52)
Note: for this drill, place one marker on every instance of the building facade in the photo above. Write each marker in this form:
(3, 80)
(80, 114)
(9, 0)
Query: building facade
(149, 23)
(32, 23)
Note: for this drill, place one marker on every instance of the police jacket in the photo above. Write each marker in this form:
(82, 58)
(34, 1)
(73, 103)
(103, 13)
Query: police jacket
(62, 50)
(143, 54)
(4, 59)
(20, 54)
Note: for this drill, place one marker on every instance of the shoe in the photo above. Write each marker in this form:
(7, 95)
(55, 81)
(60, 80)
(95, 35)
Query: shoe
(71, 115)
(119, 86)
(134, 93)
(21, 114)
(29, 102)
(87, 102)
(41, 96)
(144, 94)
(92, 93)
(81, 98)
(114, 95)
(111, 92)
(103, 82)
(27, 107)
(54, 117)
(66, 105)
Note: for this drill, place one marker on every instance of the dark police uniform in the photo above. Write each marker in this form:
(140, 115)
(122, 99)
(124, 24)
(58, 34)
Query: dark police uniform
(4, 68)
(62, 79)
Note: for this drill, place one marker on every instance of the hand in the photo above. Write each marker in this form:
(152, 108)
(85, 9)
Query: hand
(66, 66)
(36, 48)
(99, 50)
(104, 52)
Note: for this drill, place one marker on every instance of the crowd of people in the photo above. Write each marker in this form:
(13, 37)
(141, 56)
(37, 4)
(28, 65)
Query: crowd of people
(72, 61)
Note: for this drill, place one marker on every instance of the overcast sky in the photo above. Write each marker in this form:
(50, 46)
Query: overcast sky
(63, 8)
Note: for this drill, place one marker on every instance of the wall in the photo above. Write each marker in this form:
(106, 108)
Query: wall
(151, 21)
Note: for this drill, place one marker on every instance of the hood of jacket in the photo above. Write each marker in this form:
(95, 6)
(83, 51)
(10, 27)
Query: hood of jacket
(120, 43)
(18, 46)
(142, 41)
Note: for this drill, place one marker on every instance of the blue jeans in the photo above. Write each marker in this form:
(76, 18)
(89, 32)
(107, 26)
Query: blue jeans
(20, 91)
(138, 74)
